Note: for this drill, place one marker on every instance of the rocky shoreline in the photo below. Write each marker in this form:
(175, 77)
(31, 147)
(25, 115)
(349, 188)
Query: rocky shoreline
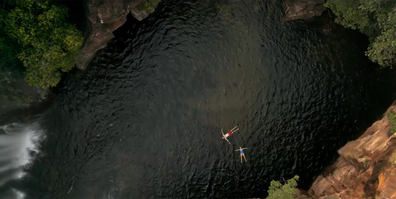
(366, 167)
(105, 16)
(101, 18)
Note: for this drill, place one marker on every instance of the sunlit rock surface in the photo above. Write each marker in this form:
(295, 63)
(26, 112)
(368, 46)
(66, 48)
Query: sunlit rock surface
(365, 168)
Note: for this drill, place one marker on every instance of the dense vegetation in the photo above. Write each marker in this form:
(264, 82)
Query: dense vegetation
(36, 34)
(374, 18)
(277, 190)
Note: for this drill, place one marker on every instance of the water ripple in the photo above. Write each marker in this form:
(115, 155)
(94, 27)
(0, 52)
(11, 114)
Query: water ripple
(144, 121)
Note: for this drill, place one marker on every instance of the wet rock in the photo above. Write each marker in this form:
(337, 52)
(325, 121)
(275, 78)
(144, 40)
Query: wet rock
(105, 16)
(19, 100)
(302, 9)
(364, 168)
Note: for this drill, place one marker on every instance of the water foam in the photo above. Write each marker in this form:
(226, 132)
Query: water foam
(19, 145)
(18, 194)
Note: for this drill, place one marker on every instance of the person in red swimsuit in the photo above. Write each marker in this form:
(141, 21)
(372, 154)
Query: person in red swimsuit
(230, 132)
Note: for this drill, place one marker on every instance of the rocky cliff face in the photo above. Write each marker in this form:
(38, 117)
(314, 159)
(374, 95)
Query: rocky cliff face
(105, 16)
(102, 18)
(366, 167)
(302, 9)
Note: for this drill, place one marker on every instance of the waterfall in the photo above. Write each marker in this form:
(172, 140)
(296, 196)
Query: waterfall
(19, 145)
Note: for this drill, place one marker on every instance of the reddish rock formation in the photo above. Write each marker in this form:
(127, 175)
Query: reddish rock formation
(364, 168)
(302, 9)
(302, 194)
(105, 16)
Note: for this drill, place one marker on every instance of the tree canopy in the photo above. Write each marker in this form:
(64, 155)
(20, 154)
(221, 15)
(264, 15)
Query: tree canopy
(277, 190)
(376, 19)
(8, 52)
(47, 44)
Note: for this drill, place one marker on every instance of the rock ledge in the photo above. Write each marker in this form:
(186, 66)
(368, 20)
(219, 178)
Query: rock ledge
(302, 9)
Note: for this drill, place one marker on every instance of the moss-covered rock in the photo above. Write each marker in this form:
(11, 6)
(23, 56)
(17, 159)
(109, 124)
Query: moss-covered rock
(144, 9)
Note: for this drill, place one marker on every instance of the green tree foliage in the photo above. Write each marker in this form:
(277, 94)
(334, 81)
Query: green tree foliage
(8, 64)
(376, 19)
(8, 53)
(278, 190)
(49, 44)
(7, 48)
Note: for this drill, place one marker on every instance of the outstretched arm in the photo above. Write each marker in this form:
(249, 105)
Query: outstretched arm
(237, 150)
(244, 148)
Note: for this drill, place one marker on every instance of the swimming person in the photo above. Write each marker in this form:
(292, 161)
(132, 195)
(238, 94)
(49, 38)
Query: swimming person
(241, 152)
(230, 132)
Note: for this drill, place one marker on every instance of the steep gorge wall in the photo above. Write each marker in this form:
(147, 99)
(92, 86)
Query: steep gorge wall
(365, 168)
(105, 16)
(97, 19)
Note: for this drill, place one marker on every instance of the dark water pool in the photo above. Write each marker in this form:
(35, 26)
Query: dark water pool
(144, 121)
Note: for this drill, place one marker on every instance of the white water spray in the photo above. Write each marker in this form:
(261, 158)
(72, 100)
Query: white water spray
(19, 145)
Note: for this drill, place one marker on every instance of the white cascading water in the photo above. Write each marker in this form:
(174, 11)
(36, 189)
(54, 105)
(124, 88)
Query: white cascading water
(19, 145)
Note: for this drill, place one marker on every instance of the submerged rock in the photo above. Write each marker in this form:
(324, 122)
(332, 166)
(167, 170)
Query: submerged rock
(302, 9)
(105, 16)
(366, 167)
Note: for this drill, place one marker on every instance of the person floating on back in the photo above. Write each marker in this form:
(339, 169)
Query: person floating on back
(230, 132)
(241, 152)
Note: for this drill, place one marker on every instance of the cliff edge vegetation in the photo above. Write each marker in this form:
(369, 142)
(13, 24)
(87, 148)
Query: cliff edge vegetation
(277, 190)
(374, 18)
(37, 42)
